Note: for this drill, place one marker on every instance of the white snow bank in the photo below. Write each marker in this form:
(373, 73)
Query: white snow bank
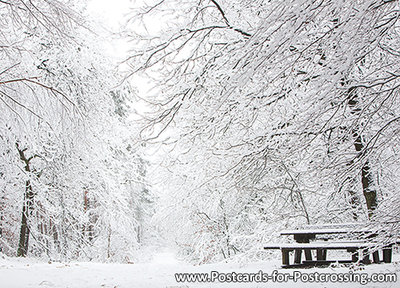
(25, 273)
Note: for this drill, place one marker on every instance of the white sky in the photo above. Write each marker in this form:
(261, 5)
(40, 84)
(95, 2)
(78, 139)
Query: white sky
(111, 15)
(113, 12)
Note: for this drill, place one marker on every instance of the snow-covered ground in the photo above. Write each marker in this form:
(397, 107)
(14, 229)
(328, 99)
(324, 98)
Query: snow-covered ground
(160, 272)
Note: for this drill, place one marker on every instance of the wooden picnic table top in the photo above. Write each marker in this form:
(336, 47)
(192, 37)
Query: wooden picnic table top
(327, 245)
(315, 231)
(336, 225)
(343, 228)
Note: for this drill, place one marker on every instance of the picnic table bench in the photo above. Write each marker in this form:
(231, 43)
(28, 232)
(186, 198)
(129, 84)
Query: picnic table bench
(354, 238)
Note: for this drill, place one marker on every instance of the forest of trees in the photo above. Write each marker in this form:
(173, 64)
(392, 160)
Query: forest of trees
(277, 114)
(72, 181)
(265, 115)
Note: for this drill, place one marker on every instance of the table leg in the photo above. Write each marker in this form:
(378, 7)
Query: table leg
(375, 256)
(354, 254)
(307, 253)
(320, 254)
(365, 256)
(387, 254)
(297, 256)
(285, 257)
(302, 238)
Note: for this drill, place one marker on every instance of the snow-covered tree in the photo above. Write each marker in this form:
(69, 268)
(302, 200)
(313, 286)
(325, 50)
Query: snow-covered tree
(60, 129)
(279, 112)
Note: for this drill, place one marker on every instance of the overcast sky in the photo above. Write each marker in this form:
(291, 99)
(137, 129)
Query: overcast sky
(111, 15)
(112, 12)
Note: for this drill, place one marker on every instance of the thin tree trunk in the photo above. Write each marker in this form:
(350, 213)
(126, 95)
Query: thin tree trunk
(24, 231)
(54, 233)
(2, 207)
(89, 228)
(23, 245)
(354, 200)
(366, 177)
(109, 242)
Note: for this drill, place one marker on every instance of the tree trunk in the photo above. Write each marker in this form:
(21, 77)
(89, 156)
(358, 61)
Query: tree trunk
(26, 209)
(89, 228)
(354, 199)
(2, 207)
(26, 212)
(366, 177)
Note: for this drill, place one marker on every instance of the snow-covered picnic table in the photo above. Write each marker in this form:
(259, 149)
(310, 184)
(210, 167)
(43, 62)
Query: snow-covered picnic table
(356, 238)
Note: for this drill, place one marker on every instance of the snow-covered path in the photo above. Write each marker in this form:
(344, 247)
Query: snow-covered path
(160, 272)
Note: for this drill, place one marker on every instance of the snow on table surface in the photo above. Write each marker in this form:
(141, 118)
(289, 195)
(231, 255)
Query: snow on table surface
(328, 245)
(28, 273)
(343, 230)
